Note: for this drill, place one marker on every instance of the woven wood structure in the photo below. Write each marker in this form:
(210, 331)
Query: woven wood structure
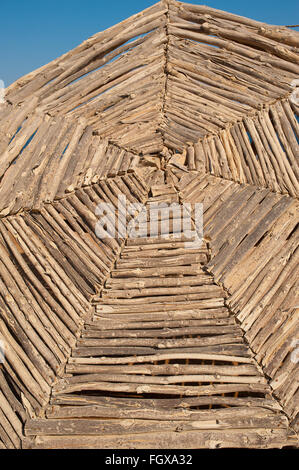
(145, 342)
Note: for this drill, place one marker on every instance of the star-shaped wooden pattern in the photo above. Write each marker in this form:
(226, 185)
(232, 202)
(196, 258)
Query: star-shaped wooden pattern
(146, 342)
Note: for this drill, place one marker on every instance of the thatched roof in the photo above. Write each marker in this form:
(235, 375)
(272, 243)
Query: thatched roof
(145, 342)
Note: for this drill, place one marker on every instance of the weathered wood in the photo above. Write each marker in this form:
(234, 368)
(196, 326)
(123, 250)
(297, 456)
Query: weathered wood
(95, 427)
(258, 438)
(105, 339)
(161, 357)
(74, 402)
(155, 370)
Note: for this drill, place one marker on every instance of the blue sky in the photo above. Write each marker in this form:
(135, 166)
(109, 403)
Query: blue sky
(34, 32)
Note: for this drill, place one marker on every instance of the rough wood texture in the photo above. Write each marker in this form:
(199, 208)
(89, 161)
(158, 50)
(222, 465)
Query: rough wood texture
(146, 342)
(201, 355)
(254, 255)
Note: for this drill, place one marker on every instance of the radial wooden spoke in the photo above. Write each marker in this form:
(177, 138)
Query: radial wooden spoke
(143, 341)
